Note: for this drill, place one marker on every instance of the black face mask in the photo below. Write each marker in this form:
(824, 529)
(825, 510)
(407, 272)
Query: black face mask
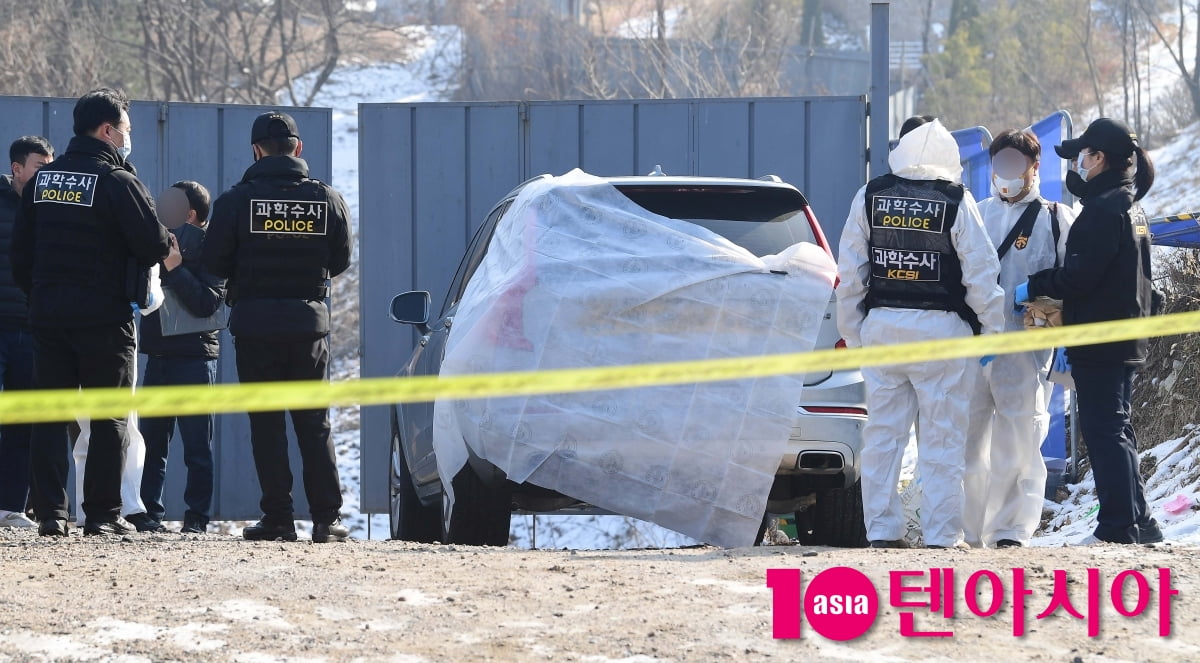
(1076, 184)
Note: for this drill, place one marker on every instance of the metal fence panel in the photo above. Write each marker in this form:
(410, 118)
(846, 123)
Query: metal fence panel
(208, 143)
(428, 174)
(723, 139)
(606, 135)
(835, 168)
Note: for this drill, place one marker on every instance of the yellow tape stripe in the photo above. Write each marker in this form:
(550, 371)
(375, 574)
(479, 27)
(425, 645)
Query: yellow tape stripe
(54, 405)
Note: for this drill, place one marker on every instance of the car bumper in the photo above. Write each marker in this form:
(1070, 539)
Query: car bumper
(826, 439)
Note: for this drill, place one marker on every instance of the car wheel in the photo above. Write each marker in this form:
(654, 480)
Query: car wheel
(410, 520)
(807, 532)
(835, 520)
(481, 513)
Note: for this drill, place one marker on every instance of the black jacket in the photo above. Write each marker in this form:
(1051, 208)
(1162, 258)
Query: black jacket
(198, 291)
(1106, 272)
(278, 236)
(14, 305)
(85, 219)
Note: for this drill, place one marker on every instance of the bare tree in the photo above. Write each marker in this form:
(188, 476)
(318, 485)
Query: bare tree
(1085, 42)
(55, 47)
(248, 52)
(1189, 73)
(704, 48)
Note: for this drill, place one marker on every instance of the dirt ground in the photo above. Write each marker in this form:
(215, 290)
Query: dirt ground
(218, 598)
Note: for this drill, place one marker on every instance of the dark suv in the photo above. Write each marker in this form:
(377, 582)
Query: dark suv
(818, 477)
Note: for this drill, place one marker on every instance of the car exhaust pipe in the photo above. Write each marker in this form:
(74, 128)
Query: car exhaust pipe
(821, 462)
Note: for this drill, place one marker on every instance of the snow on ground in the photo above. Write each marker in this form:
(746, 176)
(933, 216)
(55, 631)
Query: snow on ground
(1177, 181)
(1172, 489)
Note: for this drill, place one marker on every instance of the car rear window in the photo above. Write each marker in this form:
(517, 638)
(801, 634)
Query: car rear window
(762, 220)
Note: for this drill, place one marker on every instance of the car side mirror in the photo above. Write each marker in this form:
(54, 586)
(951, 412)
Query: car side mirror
(412, 308)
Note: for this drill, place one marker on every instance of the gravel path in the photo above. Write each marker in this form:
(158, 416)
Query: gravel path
(217, 598)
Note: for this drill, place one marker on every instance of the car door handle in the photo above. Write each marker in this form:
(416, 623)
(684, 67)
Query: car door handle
(448, 322)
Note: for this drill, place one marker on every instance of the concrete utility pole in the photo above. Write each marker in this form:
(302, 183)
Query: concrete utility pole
(878, 98)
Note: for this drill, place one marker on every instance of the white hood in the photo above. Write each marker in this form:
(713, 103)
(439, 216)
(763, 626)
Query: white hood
(928, 152)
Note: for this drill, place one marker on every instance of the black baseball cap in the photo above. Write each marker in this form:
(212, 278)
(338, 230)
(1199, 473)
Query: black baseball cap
(273, 124)
(1105, 134)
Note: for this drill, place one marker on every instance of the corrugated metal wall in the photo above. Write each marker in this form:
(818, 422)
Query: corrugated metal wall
(430, 172)
(210, 144)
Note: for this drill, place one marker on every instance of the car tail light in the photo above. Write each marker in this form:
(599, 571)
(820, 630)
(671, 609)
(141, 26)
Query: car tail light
(816, 230)
(840, 345)
(834, 409)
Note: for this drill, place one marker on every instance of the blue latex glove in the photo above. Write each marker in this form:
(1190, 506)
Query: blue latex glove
(1061, 364)
(986, 359)
(1021, 294)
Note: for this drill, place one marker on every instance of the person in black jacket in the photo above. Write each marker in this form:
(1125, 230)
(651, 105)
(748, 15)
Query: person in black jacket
(85, 232)
(27, 154)
(1106, 276)
(279, 236)
(189, 358)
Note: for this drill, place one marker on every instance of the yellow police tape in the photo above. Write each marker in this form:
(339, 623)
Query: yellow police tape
(60, 405)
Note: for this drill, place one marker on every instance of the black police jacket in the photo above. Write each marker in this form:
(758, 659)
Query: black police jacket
(197, 291)
(278, 236)
(84, 220)
(1106, 272)
(14, 305)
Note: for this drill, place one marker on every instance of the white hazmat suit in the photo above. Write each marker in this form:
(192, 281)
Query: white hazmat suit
(135, 452)
(1006, 476)
(935, 391)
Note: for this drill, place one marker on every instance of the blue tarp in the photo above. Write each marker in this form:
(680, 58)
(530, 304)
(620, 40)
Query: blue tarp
(1181, 230)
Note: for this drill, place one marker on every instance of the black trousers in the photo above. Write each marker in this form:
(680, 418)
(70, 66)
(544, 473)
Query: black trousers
(1104, 391)
(271, 360)
(71, 358)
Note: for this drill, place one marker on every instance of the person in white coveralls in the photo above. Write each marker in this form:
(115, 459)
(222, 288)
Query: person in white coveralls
(915, 264)
(1006, 476)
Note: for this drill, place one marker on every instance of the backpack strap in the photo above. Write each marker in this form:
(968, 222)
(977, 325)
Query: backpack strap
(1023, 226)
(1057, 232)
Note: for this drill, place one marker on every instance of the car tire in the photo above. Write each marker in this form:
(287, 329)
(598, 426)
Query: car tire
(410, 519)
(481, 513)
(835, 520)
(807, 531)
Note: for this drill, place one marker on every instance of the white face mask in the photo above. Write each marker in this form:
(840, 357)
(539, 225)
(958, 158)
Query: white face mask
(1009, 188)
(1083, 172)
(126, 145)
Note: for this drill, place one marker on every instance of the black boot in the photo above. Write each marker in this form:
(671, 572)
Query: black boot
(52, 527)
(117, 526)
(144, 523)
(335, 531)
(269, 531)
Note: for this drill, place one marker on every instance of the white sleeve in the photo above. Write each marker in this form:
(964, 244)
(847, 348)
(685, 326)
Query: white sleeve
(980, 267)
(156, 292)
(854, 272)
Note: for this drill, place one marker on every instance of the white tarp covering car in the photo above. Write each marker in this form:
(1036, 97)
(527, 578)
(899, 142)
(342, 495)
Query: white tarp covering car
(576, 276)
